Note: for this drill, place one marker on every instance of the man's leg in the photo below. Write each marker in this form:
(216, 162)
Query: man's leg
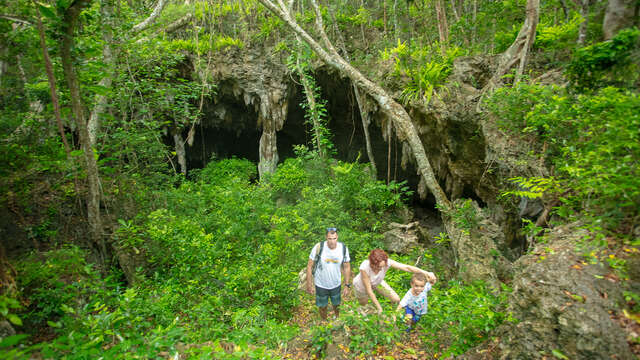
(323, 312)
(336, 300)
(322, 301)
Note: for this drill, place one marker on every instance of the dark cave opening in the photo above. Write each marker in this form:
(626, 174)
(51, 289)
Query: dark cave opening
(230, 129)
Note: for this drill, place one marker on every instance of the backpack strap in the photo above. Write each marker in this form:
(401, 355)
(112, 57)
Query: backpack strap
(316, 262)
(344, 252)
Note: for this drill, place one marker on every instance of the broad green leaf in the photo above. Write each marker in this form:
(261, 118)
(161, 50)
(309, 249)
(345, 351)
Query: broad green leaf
(12, 340)
(47, 11)
(14, 319)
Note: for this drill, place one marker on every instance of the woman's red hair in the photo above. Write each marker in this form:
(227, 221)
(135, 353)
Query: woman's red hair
(377, 255)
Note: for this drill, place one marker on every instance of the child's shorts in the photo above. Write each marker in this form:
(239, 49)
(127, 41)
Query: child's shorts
(323, 295)
(414, 317)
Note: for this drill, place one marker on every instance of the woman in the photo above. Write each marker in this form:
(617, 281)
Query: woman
(371, 278)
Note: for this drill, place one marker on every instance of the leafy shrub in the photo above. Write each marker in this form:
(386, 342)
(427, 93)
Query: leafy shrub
(558, 36)
(605, 63)
(592, 140)
(424, 81)
(289, 179)
(8, 307)
(228, 170)
(463, 315)
(55, 281)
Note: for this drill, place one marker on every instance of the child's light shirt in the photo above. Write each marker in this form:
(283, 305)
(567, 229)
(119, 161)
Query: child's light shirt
(417, 303)
(328, 275)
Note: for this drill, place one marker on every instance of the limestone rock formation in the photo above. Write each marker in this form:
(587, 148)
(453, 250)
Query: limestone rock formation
(401, 238)
(562, 303)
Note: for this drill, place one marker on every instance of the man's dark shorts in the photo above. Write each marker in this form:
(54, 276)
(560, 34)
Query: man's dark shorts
(323, 295)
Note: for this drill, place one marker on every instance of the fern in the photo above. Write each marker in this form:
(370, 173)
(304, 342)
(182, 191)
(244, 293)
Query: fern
(533, 187)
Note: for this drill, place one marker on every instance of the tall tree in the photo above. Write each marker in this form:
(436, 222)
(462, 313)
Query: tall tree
(52, 81)
(620, 14)
(518, 52)
(69, 23)
(443, 27)
(109, 57)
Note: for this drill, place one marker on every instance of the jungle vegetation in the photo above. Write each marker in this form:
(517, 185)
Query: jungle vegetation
(95, 95)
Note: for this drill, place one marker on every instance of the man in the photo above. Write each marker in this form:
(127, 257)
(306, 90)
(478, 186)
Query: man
(333, 259)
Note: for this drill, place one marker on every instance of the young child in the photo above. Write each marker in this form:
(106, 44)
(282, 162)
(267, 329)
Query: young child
(414, 301)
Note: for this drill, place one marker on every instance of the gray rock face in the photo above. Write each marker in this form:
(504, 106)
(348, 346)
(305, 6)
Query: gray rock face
(6, 329)
(401, 238)
(563, 304)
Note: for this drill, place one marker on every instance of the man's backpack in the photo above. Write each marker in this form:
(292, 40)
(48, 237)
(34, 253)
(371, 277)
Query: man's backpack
(316, 262)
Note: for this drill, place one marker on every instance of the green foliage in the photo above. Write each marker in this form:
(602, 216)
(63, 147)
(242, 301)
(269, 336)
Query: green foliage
(8, 307)
(463, 214)
(463, 315)
(424, 81)
(531, 188)
(425, 67)
(228, 170)
(592, 141)
(55, 282)
(315, 107)
(269, 26)
(362, 16)
(549, 36)
(289, 180)
(605, 63)
(370, 332)
(504, 38)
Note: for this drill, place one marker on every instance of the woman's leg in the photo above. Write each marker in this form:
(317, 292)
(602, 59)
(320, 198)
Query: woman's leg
(363, 298)
(385, 290)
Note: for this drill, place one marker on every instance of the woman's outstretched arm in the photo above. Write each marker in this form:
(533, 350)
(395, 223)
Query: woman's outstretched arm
(412, 269)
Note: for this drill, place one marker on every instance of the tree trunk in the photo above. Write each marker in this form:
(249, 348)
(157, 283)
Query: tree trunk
(443, 27)
(109, 59)
(584, 12)
(455, 10)
(386, 103)
(517, 52)
(268, 150)
(91, 166)
(620, 14)
(366, 121)
(396, 27)
(384, 16)
(180, 150)
(152, 18)
(52, 84)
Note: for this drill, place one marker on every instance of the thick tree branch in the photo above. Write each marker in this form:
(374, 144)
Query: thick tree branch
(152, 18)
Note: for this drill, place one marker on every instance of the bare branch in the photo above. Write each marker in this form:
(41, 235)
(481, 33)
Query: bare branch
(152, 18)
(183, 21)
(320, 28)
(16, 19)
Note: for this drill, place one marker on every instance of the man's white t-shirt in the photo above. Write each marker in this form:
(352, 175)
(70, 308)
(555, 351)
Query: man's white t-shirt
(328, 272)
